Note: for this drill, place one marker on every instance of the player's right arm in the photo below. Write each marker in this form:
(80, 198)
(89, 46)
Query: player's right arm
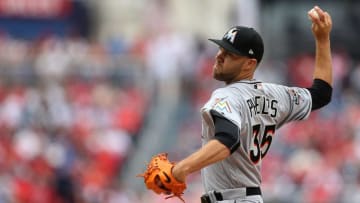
(321, 27)
(321, 89)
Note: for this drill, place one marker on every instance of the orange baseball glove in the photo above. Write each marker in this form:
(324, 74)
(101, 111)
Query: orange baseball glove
(158, 177)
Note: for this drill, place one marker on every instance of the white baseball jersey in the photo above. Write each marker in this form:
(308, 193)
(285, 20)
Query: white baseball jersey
(258, 109)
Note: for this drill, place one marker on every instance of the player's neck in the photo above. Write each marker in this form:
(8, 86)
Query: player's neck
(241, 78)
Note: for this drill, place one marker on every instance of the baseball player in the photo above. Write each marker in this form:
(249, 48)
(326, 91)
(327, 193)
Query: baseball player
(240, 119)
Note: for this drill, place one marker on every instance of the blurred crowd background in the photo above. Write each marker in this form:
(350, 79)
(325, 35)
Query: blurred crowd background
(90, 90)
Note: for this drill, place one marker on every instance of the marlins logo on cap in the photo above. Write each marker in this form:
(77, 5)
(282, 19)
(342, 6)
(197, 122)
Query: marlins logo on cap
(230, 35)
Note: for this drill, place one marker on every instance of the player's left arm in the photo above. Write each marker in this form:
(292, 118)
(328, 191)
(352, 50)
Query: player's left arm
(210, 153)
(226, 140)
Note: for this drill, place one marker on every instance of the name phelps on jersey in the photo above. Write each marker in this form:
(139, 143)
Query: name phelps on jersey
(262, 105)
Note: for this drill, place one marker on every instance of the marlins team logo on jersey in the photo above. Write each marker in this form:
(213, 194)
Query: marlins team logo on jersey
(230, 35)
(221, 105)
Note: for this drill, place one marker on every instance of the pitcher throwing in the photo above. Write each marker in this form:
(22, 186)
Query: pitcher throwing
(239, 120)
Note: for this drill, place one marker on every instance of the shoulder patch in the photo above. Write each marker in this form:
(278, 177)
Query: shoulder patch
(295, 96)
(221, 104)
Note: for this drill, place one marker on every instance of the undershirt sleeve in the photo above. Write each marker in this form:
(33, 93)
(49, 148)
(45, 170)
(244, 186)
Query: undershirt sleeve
(226, 132)
(321, 93)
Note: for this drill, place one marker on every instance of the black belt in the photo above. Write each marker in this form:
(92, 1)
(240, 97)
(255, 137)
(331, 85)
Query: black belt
(249, 192)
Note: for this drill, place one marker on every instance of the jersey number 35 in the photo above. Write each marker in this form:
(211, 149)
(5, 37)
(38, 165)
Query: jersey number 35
(259, 149)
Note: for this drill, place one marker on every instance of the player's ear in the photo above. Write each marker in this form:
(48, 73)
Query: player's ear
(251, 63)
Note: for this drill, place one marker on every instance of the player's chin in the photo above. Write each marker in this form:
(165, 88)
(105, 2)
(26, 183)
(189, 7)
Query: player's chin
(215, 73)
(217, 69)
(218, 76)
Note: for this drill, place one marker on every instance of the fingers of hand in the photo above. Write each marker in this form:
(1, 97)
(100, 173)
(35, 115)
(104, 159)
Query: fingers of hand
(327, 20)
(320, 13)
(319, 17)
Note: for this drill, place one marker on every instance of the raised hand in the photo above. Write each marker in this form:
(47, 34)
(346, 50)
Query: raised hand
(321, 23)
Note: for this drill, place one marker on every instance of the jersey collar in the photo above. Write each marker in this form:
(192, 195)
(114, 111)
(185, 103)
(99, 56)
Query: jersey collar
(252, 81)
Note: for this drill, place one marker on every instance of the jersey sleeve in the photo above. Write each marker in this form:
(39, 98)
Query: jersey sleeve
(295, 104)
(224, 102)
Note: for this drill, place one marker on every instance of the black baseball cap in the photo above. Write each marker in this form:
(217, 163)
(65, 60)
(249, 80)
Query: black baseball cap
(244, 41)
